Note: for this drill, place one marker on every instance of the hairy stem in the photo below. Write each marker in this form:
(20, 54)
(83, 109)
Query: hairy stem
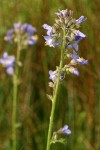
(15, 92)
(54, 101)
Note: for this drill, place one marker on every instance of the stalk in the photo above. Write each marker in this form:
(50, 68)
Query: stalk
(54, 101)
(15, 94)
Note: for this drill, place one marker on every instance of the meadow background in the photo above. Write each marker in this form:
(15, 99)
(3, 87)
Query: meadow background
(79, 97)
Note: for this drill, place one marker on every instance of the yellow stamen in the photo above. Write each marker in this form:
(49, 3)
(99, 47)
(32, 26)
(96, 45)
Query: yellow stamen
(36, 37)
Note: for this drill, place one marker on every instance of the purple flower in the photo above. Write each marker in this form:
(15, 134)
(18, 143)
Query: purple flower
(48, 28)
(17, 25)
(72, 69)
(65, 130)
(81, 19)
(60, 12)
(53, 76)
(8, 63)
(74, 55)
(9, 35)
(79, 36)
(10, 70)
(32, 40)
(49, 38)
(76, 72)
(28, 28)
(26, 32)
(77, 59)
(29, 31)
(82, 61)
(49, 41)
(24, 27)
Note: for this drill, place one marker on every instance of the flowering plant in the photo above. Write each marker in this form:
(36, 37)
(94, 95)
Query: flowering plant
(65, 34)
(8, 62)
(23, 35)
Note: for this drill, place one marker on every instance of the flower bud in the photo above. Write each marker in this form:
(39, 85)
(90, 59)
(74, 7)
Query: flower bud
(56, 26)
(58, 21)
(73, 62)
(73, 70)
(65, 13)
(54, 29)
(51, 84)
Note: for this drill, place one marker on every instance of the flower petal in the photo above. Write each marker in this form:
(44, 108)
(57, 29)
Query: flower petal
(81, 19)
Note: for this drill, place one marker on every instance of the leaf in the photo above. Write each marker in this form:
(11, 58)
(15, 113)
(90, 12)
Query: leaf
(17, 125)
(50, 97)
(61, 140)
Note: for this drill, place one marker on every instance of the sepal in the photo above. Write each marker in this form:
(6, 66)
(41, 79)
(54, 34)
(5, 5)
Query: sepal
(49, 97)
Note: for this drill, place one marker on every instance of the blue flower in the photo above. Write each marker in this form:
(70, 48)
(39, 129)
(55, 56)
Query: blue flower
(71, 69)
(50, 42)
(17, 25)
(76, 72)
(10, 70)
(81, 19)
(9, 35)
(28, 28)
(60, 12)
(49, 38)
(74, 55)
(29, 36)
(76, 59)
(8, 63)
(32, 40)
(53, 75)
(48, 28)
(26, 32)
(65, 130)
(79, 36)
(82, 61)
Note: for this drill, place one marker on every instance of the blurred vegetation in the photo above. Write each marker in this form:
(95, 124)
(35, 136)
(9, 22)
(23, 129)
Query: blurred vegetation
(79, 97)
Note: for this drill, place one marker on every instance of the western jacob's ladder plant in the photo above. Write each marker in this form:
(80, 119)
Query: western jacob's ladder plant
(65, 34)
(22, 35)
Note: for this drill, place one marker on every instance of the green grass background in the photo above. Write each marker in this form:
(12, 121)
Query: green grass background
(79, 97)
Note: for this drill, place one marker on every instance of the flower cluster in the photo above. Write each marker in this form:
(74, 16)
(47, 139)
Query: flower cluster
(53, 78)
(50, 37)
(57, 136)
(64, 130)
(8, 62)
(54, 75)
(75, 60)
(66, 22)
(24, 33)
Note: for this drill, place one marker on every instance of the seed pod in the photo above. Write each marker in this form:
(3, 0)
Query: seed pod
(51, 84)
(70, 13)
(56, 26)
(66, 21)
(54, 29)
(58, 21)
(65, 13)
(72, 35)
(69, 38)
(70, 23)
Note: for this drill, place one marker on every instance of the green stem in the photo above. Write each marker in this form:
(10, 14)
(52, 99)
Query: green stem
(54, 101)
(15, 92)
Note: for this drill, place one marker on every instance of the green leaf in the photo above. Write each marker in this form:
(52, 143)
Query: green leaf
(17, 125)
(61, 140)
(50, 97)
